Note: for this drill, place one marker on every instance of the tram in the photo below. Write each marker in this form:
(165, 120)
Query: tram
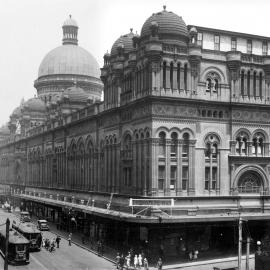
(18, 247)
(30, 232)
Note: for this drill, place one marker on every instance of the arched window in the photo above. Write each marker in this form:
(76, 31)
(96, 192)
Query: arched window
(254, 84)
(162, 143)
(250, 182)
(211, 162)
(164, 75)
(174, 143)
(260, 84)
(171, 75)
(212, 82)
(185, 147)
(178, 76)
(208, 85)
(185, 77)
(215, 114)
(216, 85)
(220, 114)
(242, 83)
(248, 83)
(241, 144)
(258, 144)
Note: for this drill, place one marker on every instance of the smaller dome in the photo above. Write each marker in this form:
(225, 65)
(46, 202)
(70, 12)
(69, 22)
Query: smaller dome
(75, 94)
(168, 23)
(70, 22)
(4, 130)
(17, 112)
(193, 30)
(125, 42)
(35, 104)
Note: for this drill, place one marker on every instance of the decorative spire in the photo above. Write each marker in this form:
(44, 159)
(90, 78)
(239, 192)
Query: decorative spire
(70, 31)
(131, 30)
(164, 7)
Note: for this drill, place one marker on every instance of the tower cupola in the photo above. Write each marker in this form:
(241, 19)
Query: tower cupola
(70, 31)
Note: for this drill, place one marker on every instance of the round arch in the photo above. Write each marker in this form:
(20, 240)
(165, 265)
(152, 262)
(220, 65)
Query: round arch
(256, 169)
(244, 130)
(215, 70)
(262, 132)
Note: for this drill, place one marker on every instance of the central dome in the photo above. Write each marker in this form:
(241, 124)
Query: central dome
(69, 59)
(168, 23)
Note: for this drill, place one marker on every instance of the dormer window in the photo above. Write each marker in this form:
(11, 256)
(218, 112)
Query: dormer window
(217, 43)
(249, 46)
(199, 39)
(233, 44)
(264, 48)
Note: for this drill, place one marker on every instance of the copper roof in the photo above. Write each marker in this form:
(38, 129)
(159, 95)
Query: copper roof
(69, 59)
(168, 23)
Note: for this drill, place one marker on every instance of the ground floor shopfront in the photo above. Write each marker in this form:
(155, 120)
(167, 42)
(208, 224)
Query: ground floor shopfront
(173, 241)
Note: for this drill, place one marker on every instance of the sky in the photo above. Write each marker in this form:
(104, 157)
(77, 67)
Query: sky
(31, 28)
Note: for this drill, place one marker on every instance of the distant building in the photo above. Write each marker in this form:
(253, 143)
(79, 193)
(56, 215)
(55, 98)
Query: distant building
(185, 120)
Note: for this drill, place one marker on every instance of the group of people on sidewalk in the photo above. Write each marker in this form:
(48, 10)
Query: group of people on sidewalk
(50, 244)
(131, 262)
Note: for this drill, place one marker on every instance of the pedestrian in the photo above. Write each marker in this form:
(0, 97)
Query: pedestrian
(140, 261)
(99, 247)
(52, 245)
(145, 264)
(117, 259)
(58, 239)
(136, 262)
(190, 255)
(159, 264)
(47, 243)
(121, 262)
(128, 259)
(69, 239)
(43, 242)
(195, 254)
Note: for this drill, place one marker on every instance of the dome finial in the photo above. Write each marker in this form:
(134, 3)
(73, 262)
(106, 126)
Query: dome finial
(70, 31)
(131, 29)
(164, 7)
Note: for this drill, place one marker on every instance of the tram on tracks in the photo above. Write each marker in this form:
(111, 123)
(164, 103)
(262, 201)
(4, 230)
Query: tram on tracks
(18, 247)
(30, 232)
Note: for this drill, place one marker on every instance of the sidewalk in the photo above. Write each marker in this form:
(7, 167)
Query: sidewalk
(110, 254)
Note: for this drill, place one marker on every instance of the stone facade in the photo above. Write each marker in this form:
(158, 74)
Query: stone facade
(185, 116)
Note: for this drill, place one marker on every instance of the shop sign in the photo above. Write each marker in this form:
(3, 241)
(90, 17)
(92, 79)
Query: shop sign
(151, 202)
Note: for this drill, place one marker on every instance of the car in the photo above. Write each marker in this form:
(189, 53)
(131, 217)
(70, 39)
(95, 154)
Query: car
(25, 216)
(42, 225)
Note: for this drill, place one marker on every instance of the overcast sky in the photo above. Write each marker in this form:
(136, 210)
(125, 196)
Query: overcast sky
(31, 28)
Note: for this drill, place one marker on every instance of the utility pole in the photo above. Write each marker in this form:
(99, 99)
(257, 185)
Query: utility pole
(240, 243)
(7, 239)
(248, 249)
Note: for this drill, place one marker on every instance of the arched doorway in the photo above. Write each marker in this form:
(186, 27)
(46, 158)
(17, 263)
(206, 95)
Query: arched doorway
(250, 182)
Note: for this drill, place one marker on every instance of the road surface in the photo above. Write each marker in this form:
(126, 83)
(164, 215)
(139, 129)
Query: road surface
(65, 258)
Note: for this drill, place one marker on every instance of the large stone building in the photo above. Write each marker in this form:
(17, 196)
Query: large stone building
(180, 143)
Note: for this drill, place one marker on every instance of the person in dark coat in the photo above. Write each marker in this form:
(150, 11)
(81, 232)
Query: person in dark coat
(159, 264)
(57, 240)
